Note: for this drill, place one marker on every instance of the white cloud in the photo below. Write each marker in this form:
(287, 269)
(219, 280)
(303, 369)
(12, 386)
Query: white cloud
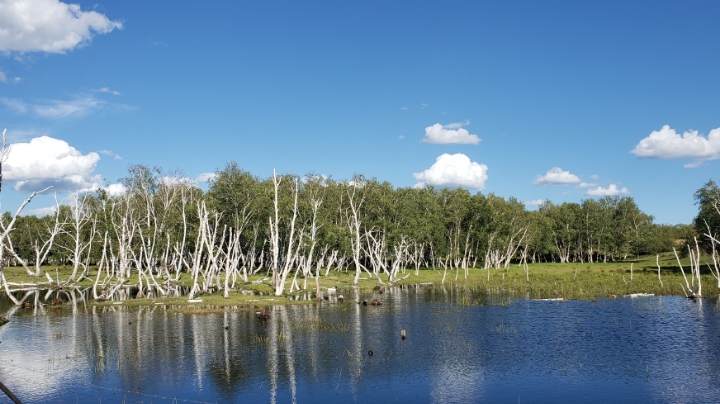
(585, 185)
(40, 212)
(536, 202)
(457, 125)
(612, 190)
(16, 105)
(453, 133)
(106, 90)
(48, 26)
(594, 177)
(404, 108)
(80, 106)
(48, 161)
(4, 77)
(206, 177)
(667, 144)
(110, 153)
(115, 189)
(318, 178)
(172, 181)
(556, 176)
(453, 170)
(80, 183)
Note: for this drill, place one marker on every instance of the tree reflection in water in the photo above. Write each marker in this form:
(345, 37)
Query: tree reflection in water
(463, 345)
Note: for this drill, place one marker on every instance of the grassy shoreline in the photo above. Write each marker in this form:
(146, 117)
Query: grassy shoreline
(570, 281)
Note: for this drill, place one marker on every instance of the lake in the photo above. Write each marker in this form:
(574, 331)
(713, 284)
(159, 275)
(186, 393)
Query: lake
(462, 346)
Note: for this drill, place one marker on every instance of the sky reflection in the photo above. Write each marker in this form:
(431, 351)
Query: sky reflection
(659, 349)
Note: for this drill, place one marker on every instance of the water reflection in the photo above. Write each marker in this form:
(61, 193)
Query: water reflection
(463, 346)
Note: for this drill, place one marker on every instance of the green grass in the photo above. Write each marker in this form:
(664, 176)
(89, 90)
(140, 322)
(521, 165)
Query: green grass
(546, 280)
(578, 280)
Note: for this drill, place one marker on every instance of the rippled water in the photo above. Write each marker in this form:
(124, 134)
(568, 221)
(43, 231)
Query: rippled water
(460, 347)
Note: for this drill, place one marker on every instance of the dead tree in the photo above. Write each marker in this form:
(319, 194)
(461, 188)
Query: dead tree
(356, 200)
(5, 229)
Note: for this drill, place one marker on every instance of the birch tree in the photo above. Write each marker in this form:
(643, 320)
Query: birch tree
(5, 229)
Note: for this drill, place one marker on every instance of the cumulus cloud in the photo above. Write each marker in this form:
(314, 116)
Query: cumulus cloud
(115, 189)
(48, 161)
(556, 176)
(668, 144)
(206, 177)
(172, 181)
(80, 183)
(612, 190)
(585, 185)
(535, 202)
(453, 170)
(48, 26)
(453, 133)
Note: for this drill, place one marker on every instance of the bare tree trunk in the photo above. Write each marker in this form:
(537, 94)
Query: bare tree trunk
(354, 224)
(289, 259)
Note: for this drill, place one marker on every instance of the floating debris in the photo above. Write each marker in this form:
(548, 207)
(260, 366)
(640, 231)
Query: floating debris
(553, 299)
(634, 295)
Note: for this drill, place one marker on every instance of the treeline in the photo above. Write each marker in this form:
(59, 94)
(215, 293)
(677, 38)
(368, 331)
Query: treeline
(162, 226)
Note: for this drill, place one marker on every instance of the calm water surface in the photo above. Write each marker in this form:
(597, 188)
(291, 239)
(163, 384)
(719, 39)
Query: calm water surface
(461, 347)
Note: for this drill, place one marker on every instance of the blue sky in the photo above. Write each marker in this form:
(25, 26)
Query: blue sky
(536, 100)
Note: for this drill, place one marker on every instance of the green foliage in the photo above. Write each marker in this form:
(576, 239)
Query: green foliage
(708, 218)
(440, 227)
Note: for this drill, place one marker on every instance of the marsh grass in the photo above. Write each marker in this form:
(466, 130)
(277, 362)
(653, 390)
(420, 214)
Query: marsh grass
(546, 280)
(573, 281)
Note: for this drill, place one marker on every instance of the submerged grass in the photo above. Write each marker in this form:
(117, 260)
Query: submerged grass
(316, 323)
